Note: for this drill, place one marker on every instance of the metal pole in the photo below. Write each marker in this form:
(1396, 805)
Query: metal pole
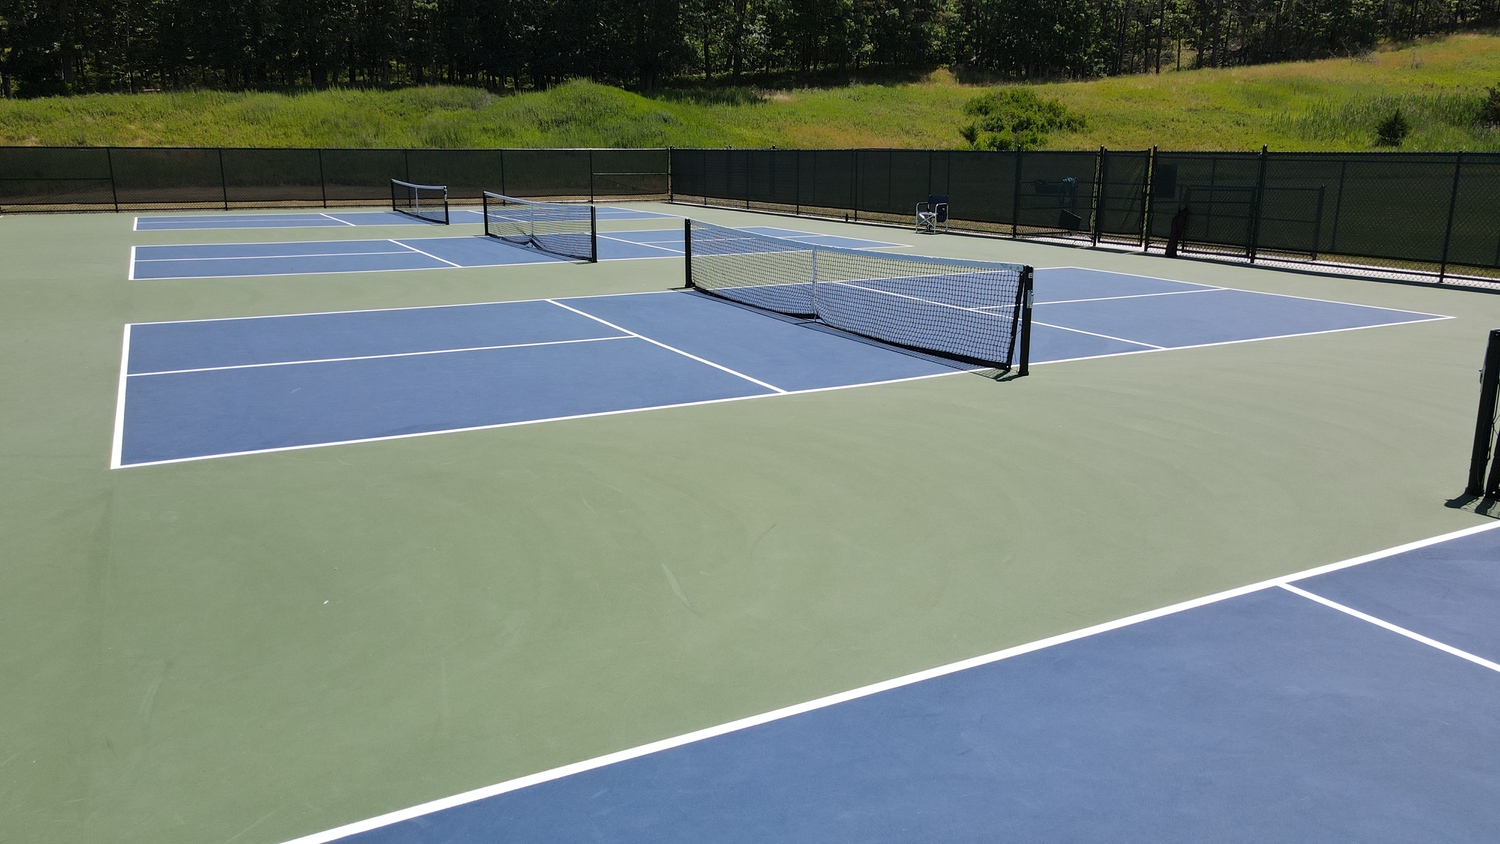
(798, 189)
(593, 235)
(671, 185)
(114, 192)
(854, 184)
(1101, 172)
(1318, 223)
(591, 177)
(1026, 301)
(322, 179)
(223, 181)
(1015, 200)
(1260, 189)
(687, 251)
(1458, 163)
(503, 191)
(1484, 429)
(1148, 200)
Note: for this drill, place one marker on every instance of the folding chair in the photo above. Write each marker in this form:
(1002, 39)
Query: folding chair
(933, 213)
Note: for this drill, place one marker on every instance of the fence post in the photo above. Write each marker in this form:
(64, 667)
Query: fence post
(1015, 201)
(671, 188)
(797, 191)
(1260, 189)
(591, 177)
(1148, 199)
(1318, 223)
(1101, 172)
(1458, 163)
(854, 183)
(223, 180)
(406, 164)
(114, 192)
(322, 179)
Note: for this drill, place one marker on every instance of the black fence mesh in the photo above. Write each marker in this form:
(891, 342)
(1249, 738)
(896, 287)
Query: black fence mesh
(49, 178)
(1396, 213)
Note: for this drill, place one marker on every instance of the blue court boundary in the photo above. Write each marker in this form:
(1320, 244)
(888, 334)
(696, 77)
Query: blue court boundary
(117, 445)
(1284, 582)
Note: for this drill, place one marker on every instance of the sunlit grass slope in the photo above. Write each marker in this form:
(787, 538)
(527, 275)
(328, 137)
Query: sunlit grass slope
(1326, 105)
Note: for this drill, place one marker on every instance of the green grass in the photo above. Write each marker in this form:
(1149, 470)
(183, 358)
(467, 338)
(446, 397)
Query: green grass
(1327, 105)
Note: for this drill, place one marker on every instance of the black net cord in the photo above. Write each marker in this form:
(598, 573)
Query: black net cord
(1484, 427)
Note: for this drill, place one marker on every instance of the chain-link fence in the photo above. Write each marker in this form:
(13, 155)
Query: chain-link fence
(90, 179)
(1398, 214)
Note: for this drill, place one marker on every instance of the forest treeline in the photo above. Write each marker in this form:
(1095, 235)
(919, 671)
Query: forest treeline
(52, 47)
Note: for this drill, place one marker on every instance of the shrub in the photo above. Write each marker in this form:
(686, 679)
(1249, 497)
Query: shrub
(1016, 118)
(1392, 130)
(1489, 108)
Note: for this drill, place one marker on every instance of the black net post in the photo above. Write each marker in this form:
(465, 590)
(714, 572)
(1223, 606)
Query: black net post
(1484, 428)
(687, 252)
(1023, 362)
(1458, 164)
(593, 235)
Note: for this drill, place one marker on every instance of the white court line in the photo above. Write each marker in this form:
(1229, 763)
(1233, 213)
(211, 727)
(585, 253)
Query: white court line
(1130, 296)
(130, 267)
(269, 257)
(117, 442)
(1258, 292)
(548, 419)
(676, 252)
(669, 348)
(335, 219)
(428, 254)
(854, 694)
(1232, 342)
(1105, 336)
(378, 357)
(1394, 628)
(405, 307)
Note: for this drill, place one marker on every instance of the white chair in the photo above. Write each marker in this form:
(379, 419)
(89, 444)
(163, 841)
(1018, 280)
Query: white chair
(932, 214)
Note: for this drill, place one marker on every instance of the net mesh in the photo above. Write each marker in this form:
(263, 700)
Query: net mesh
(967, 310)
(427, 202)
(553, 227)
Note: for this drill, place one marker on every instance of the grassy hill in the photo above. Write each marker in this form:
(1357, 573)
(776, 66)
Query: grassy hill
(1326, 105)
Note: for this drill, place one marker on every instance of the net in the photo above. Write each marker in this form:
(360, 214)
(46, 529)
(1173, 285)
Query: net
(427, 202)
(972, 311)
(553, 227)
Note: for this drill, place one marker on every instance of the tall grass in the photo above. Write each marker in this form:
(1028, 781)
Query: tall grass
(1328, 105)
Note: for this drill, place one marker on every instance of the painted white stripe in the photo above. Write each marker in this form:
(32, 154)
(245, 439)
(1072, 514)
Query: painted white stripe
(549, 419)
(428, 254)
(335, 219)
(403, 308)
(678, 252)
(378, 357)
(130, 266)
(1131, 296)
(268, 257)
(853, 694)
(1394, 628)
(1257, 292)
(1097, 334)
(117, 442)
(688, 355)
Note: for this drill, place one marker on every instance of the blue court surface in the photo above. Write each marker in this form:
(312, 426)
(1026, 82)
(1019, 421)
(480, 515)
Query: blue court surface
(223, 260)
(195, 390)
(1351, 703)
(337, 219)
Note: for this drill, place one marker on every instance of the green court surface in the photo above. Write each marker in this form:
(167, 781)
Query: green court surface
(250, 649)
